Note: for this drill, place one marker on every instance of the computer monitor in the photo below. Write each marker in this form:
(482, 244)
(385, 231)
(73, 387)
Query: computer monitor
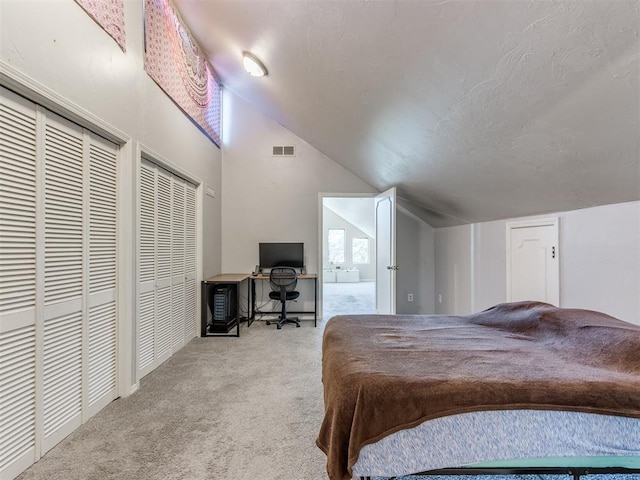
(281, 254)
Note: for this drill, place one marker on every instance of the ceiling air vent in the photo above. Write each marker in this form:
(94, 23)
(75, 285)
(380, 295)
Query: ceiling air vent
(284, 151)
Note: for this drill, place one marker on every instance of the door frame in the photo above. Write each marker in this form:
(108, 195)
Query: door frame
(321, 197)
(539, 222)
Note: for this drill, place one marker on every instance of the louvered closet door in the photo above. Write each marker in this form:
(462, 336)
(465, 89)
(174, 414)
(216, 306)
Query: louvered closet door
(102, 327)
(190, 292)
(167, 293)
(63, 280)
(17, 283)
(58, 256)
(147, 269)
(177, 262)
(163, 269)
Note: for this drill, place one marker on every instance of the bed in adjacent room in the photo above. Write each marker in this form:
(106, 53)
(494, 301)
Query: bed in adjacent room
(519, 387)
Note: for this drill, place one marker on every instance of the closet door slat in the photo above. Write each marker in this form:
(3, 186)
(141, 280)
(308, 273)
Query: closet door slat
(18, 386)
(17, 206)
(64, 203)
(62, 377)
(147, 238)
(163, 227)
(102, 352)
(102, 216)
(146, 332)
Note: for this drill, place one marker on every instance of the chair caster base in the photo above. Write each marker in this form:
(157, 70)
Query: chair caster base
(268, 322)
(278, 327)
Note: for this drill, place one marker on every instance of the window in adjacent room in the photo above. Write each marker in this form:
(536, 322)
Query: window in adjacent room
(360, 250)
(336, 245)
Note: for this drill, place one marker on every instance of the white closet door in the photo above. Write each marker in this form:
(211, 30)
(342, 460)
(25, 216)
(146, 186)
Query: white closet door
(167, 291)
(163, 258)
(190, 292)
(17, 283)
(63, 282)
(102, 327)
(147, 269)
(58, 253)
(177, 262)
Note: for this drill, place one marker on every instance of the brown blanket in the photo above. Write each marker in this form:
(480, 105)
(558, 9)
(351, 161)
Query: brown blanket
(382, 373)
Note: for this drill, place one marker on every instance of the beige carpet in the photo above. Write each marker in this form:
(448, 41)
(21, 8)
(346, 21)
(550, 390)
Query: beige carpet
(220, 408)
(245, 408)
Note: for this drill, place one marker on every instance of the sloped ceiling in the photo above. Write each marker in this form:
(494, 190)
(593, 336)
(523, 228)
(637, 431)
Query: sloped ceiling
(360, 212)
(476, 110)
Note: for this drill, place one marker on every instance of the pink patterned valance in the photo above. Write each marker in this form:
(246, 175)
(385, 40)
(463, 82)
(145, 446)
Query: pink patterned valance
(176, 63)
(109, 14)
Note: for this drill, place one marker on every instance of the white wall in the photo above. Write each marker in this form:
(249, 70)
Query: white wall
(57, 44)
(407, 260)
(453, 270)
(272, 199)
(427, 272)
(599, 261)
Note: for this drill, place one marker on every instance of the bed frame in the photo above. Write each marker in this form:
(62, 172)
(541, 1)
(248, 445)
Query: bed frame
(364, 356)
(576, 472)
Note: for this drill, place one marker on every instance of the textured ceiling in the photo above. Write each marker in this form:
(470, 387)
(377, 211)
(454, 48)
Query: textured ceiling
(475, 110)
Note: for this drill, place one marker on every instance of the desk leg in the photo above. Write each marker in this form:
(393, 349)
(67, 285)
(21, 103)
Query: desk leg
(238, 309)
(250, 315)
(252, 281)
(204, 304)
(315, 302)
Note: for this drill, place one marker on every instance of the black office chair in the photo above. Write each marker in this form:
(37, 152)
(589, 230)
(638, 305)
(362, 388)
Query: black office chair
(283, 283)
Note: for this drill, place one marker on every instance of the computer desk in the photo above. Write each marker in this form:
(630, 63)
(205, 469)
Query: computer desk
(224, 279)
(303, 276)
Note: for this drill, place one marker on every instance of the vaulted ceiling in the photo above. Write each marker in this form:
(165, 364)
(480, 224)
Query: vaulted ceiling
(475, 109)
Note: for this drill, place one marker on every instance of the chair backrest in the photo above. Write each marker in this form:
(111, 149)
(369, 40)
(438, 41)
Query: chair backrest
(283, 277)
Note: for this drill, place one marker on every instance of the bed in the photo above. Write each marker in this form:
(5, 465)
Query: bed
(520, 387)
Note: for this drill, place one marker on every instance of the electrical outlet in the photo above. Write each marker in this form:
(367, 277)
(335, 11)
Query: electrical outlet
(410, 297)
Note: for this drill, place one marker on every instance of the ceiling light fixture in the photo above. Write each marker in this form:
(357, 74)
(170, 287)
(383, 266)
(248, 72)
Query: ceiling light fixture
(253, 65)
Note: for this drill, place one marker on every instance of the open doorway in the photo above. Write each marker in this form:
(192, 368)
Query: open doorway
(348, 255)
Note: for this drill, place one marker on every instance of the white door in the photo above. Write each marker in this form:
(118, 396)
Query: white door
(167, 290)
(58, 336)
(163, 337)
(63, 280)
(147, 264)
(532, 262)
(190, 287)
(177, 263)
(385, 206)
(18, 199)
(101, 230)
